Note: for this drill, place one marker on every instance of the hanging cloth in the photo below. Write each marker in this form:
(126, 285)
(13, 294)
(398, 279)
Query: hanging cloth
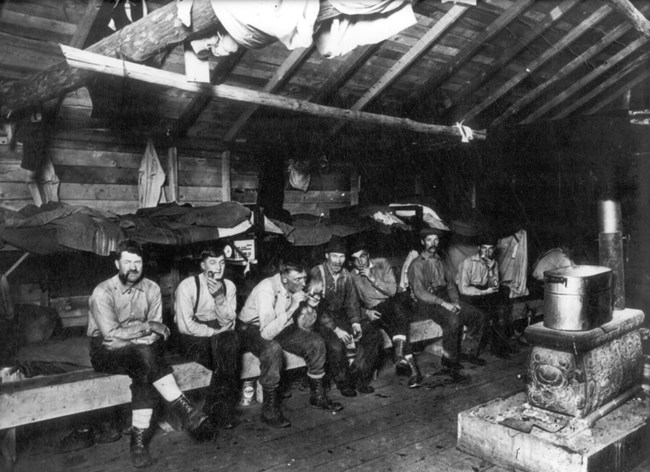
(150, 179)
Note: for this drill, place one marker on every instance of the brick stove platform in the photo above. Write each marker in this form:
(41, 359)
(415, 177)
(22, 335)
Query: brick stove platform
(615, 443)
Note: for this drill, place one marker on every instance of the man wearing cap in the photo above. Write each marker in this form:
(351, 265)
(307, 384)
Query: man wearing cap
(376, 286)
(437, 298)
(478, 283)
(268, 325)
(205, 312)
(342, 324)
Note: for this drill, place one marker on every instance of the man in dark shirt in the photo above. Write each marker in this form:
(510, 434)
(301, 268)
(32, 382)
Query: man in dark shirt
(342, 324)
(376, 286)
(126, 330)
(437, 298)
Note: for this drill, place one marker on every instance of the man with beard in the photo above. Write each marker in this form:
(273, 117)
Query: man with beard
(269, 326)
(478, 284)
(376, 286)
(437, 298)
(205, 313)
(127, 334)
(342, 324)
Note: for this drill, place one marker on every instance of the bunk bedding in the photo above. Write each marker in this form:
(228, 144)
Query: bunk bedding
(59, 227)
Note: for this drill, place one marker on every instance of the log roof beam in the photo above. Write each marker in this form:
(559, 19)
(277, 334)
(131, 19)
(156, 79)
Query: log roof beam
(634, 16)
(96, 63)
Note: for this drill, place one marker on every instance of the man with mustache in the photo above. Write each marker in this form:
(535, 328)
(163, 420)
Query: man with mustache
(127, 333)
(342, 324)
(269, 325)
(376, 286)
(205, 313)
(437, 298)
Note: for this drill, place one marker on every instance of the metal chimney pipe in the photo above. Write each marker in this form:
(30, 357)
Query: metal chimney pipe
(610, 247)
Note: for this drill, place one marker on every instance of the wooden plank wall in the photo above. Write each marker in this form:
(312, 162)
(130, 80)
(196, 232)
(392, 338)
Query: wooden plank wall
(336, 187)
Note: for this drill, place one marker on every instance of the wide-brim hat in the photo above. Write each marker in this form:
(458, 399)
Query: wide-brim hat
(337, 245)
(424, 232)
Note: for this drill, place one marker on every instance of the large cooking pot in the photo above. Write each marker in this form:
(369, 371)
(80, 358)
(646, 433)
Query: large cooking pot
(577, 298)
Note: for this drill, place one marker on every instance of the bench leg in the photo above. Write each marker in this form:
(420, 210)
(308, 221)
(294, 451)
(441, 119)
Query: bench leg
(7, 449)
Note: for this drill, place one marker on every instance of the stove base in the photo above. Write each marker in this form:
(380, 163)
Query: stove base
(615, 443)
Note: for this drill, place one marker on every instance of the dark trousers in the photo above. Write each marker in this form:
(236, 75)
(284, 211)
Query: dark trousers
(394, 320)
(452, 327)
(306, 344)
(221, 354)
(497, 309)
(368, 349)
(144, 364)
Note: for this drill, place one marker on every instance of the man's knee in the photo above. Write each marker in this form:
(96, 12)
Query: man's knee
(272, 353)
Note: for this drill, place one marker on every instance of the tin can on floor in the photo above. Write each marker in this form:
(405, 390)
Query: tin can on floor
(248, 393)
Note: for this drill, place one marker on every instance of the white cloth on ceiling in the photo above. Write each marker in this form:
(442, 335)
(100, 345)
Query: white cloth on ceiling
(347, 32)
(257, 23)
(151, 178)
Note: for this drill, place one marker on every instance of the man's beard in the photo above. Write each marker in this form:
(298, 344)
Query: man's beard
(125, 280)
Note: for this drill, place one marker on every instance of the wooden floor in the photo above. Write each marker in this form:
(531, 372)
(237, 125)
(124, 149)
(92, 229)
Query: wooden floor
(393, 429)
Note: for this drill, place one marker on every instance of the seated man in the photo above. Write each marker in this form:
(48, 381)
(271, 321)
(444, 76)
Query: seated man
(437, 298)
(478, 284)
(342, 324)
(126, 331)
(268, 327)
(376, 286)
(205, 313)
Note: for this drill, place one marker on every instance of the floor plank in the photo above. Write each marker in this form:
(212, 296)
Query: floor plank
(393, 429)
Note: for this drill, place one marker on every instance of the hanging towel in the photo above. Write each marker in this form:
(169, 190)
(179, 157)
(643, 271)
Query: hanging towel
(150, 179)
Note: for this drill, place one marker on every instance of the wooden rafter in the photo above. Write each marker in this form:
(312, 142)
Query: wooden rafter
(633, 66)
(107, 65)
(421, 46)
(579, 61)
(192, 112)
(138, 41)
(281, 76)
(618, 91)
(634, 16)
(85, 24)
(551, 52)
(536, 28)
(594, 74)
(433, 82)
(355, 59)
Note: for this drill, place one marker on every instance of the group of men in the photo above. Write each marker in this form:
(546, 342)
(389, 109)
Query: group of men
(318, 315)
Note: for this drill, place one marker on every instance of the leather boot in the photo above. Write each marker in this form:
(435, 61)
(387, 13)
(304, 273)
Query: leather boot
(318, 399)
(401, 364)
(194, 420)
(139, 448)
(415, 380)
(272, 410)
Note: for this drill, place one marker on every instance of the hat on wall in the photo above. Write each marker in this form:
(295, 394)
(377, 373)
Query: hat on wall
(337, 245)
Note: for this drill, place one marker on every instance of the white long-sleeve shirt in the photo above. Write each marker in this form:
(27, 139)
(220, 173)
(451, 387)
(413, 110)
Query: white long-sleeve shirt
(221, 308)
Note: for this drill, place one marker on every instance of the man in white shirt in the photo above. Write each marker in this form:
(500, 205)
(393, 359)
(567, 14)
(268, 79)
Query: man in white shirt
(205, 313)
(269, 326)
